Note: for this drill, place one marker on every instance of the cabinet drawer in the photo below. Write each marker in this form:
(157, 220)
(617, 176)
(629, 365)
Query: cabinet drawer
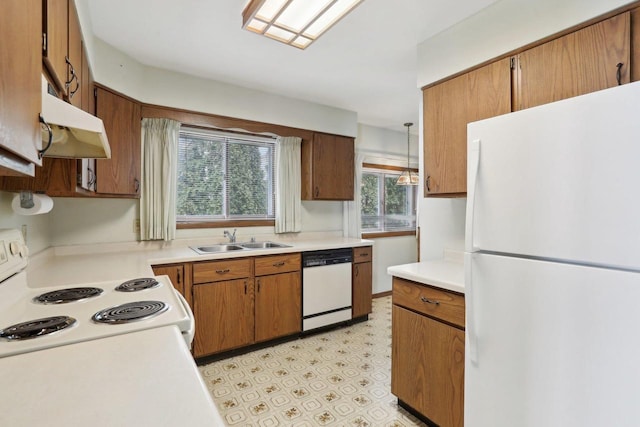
(437, 303)
(362, 254)
(228, 269)
(274, 264)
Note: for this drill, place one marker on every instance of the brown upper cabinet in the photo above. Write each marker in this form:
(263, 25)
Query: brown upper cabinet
(55, 39)
(448, 107)
(119, 175)
(75, 76)
(327, 167)
(62, 48)
(593, 58)
(20, 86)
(635, 45)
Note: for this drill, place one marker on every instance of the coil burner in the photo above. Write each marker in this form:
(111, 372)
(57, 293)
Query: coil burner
(138, 285)
(130, 312)
(36, 328)
(63, 296)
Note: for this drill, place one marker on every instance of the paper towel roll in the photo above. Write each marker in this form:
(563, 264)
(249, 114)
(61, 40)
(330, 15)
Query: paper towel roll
(41, 205)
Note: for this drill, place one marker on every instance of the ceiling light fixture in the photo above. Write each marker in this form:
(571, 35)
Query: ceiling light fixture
(408, 177)
(297, 23)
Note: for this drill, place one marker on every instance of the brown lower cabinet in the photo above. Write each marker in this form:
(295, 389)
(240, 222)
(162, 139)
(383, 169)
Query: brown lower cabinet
(242, 301)
(224, 316)
(278, 305)
(362, 281)
(176, 273)
(427, 359)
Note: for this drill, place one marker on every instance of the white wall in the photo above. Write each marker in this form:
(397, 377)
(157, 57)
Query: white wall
(388, 147)
(38, 226)
(155, 86)
(86, 221)
(501, 27)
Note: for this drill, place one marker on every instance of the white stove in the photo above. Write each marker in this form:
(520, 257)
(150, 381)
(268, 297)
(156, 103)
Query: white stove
(52, 318)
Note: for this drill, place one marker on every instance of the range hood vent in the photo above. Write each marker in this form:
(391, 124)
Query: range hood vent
(76, 133)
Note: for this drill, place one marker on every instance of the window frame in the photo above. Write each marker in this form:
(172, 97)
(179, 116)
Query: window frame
(213, 222)
(366, 167)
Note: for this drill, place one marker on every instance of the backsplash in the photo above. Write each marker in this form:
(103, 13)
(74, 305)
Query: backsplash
(38, 227)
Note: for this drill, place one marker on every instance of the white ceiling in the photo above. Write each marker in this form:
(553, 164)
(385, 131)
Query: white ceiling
(366, 63)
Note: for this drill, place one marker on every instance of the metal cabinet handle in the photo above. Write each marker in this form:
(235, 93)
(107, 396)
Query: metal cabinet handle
(178, 271)
(136, 185)
(279, 264)
(429, 301)
(92, 178)
(427, 183)
(317, 191)
(226, 270)
(245, 287)
(258, 285)
(44, 150)
(74, 76)
(619, 73)
(357, 270)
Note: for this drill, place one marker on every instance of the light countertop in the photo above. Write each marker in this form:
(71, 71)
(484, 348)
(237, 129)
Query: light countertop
(171, 383)
(446, 273)
(74, 265)
(144, 379)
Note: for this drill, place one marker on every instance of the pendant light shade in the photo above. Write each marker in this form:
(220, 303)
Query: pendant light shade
(408, 177)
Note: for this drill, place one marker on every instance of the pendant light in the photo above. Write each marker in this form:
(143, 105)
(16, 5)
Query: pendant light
(408, 177)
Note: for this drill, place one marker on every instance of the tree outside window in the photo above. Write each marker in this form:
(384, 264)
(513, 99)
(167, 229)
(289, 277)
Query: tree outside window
(224, 176)
(386, 206)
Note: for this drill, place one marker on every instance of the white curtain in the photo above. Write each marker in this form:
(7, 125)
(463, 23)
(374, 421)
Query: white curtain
(351, 219)
(159, 170)
(288, 185)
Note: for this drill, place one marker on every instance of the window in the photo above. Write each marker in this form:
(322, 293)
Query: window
(224, 176)
(387, 207)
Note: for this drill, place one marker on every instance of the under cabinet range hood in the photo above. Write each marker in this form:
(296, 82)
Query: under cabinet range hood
(69, 132)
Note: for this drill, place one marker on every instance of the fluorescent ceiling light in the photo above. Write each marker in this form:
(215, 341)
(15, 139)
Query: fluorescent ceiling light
(294, 22)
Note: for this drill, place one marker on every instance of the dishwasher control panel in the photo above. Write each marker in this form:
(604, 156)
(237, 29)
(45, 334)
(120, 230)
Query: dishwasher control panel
(327, 257)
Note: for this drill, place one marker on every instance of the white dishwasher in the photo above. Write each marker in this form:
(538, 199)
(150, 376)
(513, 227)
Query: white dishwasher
(326, 287)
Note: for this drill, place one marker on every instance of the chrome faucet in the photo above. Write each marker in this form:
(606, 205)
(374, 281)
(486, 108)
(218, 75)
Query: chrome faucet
(231, 236)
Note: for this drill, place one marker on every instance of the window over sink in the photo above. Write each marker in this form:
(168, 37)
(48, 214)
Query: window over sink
(224, 176)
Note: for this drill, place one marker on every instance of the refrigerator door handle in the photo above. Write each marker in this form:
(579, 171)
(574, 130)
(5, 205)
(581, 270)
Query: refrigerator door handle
(473, 162)
(470, 327)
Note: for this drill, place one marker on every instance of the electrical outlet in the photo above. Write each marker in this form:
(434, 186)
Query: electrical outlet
(136, 225)
(24, 232)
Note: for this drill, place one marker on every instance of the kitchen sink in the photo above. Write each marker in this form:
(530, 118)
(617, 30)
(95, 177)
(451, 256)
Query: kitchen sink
(263, 245)
(211, 249)
(221, 247)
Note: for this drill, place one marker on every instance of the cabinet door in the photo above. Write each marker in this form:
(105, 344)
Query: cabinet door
(175, 273)
(362, 284)
(635, 44)
(448, 107)
(427, 366)
(56, 28)
(74, 69)
(278, 305)
(224, 316)
(580, 62)
(121, 117)
(20, 88)
(332, 167)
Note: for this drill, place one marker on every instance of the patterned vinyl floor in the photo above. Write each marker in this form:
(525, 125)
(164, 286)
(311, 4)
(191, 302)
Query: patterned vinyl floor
(338, 378)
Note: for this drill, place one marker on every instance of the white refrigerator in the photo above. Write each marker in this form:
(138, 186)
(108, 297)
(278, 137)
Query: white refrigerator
(552, 265)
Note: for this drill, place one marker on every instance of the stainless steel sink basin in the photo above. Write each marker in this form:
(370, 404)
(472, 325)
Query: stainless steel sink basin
(232, 247)
(263, 245)
(210, 249)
